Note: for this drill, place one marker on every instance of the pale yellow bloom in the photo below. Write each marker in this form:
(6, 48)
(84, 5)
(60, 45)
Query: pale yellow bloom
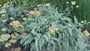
(24, 18)
(86, 33)
(16, 34)
(22, 15)
(4, 29)
(39, 5)
(13, 36)
(45, 19)
(11, 18)
(77, 6)
(3, 15)
(3, 21)
(12, 41)
(52, 30)
(67, 2)
(7, 44)
(79, 36)
(48, 4)
(3, 11)
(0, 5)
(73, 2)
(11, 24)
(24, 36)
(69, 25)
(82, 22)
(79, 23)
(56, 29)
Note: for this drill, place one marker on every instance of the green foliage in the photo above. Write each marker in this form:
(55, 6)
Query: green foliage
(40, 35)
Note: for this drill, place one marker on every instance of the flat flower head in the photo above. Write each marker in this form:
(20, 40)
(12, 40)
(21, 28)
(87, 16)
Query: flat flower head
(86, 33)
(69, 25)
(48, 4)
(4, 29)
(82, 22)
(79, 36)
(22, 15)
(38, 5)
(73, 2)
(3, 21)
(77, 6)
(7, 44)
(67, 2)
(24, 36)
(24, 18)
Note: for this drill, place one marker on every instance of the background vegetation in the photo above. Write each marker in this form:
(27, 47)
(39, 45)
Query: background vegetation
(82, 12)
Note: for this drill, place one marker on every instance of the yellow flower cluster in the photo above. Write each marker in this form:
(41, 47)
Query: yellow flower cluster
(4, 29)
(4, 37)
(24, 36)
(85, 32)
(12, 41)
(14, 36)
(36, 13)
(69, 25)
(3, 21)
(52, 29)
(3, 15)
(16, 25)
(3, 11)
(6, 5)
(7, 44)
(73, 2)
(80, 35)
(48, 4)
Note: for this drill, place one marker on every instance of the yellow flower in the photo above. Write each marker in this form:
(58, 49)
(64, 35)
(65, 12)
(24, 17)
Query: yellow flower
(1, 40)
(24, 18)
(52, 30)
(82, 22)
(56, 29)
(11, 24)
(11, 18)
(48, 4)
(22, 15)
(3, 11)
(21, 26)
(39, 5)
(67, 2)
(86, 33)
(37, 13)
(77, 6)
(3, 21)
(5, 37)
(24, 36)
(0, 5)
(69, 25)
(45, 19)
(24, 10)
(79, 36)
(13, 36)
(16, 34)
(8, 2)
(73, 2)
(79, 23)
(35, 8)
(12, 41)
(3, 15)
(27, 14)
(4, 29)
(7, 44)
